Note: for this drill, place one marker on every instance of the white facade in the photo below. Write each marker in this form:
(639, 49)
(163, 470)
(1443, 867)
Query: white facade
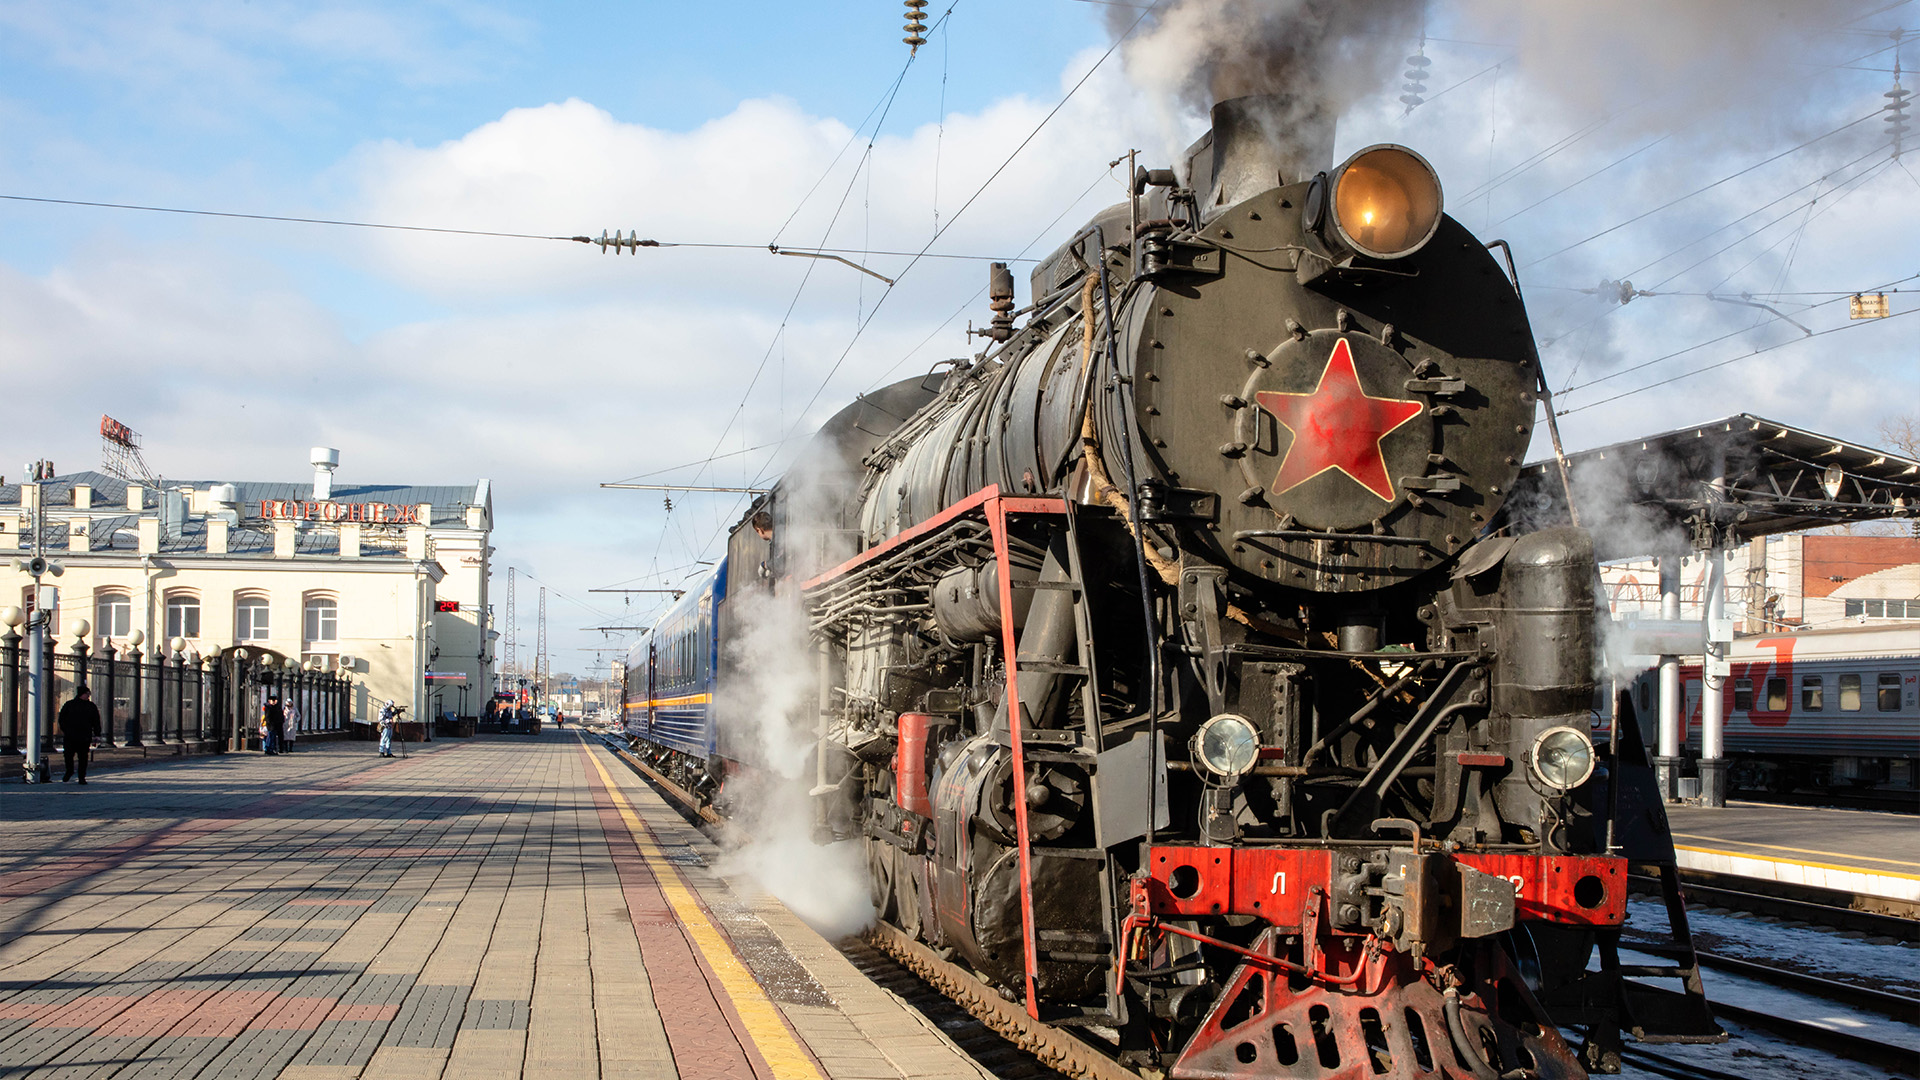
(383, 583)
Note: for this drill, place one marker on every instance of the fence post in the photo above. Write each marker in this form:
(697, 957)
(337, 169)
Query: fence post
(237, 680)
(134, 703)
(10, 619)
(106, 662)
(80, 656)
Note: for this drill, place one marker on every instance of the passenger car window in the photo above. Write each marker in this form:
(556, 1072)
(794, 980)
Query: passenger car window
(1849, 693)
(1812, 691)
(1889, 691)
(1742, 695)
(1776, 695)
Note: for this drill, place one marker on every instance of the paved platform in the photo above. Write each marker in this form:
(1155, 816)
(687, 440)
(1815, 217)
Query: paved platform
(497, 907)
(1853, 851)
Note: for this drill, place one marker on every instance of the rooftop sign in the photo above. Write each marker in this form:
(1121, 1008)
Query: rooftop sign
(378, 513)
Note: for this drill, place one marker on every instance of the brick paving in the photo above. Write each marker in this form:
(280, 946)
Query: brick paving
(496, 907)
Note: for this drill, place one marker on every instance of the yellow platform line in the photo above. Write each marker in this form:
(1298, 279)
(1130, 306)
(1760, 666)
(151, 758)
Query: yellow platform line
(1798, 862)
(1795, 850)
(762, 1018)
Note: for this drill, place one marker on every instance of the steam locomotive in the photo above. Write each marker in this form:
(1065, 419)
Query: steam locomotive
(1172, 657)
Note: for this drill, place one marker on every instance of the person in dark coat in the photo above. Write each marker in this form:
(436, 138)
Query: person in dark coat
(275, 718)
(79, 723)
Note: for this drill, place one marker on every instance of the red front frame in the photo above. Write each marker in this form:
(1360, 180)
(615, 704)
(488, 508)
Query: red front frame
(1273, 883)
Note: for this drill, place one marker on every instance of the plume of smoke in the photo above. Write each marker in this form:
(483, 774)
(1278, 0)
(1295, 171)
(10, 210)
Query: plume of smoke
(1320, 55)
(764, 709)
(1727, 55)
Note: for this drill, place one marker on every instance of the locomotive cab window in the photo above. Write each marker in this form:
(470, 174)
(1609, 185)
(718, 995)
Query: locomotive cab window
(1812, 693)
(1776, 695)
(1849, 693)
(1889, 691)
(1742, 695)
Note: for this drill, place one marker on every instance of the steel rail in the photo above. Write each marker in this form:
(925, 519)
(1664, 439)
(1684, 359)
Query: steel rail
(1872, 923)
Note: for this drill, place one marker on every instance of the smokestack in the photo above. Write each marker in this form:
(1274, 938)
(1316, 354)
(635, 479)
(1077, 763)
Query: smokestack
(1262, 141)
(325, 459)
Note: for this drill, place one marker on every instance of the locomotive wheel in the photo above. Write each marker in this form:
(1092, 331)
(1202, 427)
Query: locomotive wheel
(881, 880)
(906, 891)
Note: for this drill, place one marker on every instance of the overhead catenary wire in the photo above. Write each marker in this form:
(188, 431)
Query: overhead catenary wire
(971, 199)
(1705, 188)
(1731, 360)
(1714, 341)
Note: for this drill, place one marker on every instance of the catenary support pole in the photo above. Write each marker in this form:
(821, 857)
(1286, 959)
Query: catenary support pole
(1666, 764)
(1713, 762)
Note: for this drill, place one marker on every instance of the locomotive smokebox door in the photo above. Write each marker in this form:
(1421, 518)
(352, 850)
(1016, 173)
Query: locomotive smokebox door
(1330, 430)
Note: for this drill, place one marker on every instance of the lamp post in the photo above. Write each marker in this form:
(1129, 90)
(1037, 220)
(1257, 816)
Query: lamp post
(37, 712)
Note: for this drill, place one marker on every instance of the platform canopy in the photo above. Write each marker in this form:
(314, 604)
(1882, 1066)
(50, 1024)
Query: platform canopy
(1715, 484)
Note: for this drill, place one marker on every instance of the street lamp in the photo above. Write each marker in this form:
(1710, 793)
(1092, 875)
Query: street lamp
(38, 566)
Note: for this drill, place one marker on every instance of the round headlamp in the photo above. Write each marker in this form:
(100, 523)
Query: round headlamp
(1226, 745)
(1562, 758)
(1386, 201)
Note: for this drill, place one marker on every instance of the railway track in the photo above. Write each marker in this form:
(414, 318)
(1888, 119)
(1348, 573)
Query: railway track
(1706, 889)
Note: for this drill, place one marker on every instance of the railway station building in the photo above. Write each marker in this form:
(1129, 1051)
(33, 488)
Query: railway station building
(385, 584)
(1799, 581)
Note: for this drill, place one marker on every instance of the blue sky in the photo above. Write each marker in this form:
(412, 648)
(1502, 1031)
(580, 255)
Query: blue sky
(548, 367)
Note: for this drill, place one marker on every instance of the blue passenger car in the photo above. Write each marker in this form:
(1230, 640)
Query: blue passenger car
(668, 698)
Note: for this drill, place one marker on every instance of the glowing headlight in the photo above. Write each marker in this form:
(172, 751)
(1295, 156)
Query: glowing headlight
(1386, 201)
(1226, 745)
(1562, 758)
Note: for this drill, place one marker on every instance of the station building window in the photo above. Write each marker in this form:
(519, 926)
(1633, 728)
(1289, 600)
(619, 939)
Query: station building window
(1889, 691)
(322, 623)
(183, 616)
(1812, 693)
(112, 615)
(1884, 609)
(250, 622)
(1849, 693)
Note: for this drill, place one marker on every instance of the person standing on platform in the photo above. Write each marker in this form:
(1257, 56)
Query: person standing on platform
(389, 719)
(292, 727)
(275, 719)
(79, 723)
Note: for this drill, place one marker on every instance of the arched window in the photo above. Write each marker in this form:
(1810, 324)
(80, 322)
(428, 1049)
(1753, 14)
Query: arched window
(250, 619)
(322, 623)
(183, 616)
(112, 615)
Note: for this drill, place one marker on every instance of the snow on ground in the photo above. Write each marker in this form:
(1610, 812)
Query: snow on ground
(1879, 963)
(1754, 1055)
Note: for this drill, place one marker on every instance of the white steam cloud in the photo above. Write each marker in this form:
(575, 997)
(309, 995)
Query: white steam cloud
(770, 709)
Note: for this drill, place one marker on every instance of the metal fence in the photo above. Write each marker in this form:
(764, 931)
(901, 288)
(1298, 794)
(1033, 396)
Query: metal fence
(156, 699)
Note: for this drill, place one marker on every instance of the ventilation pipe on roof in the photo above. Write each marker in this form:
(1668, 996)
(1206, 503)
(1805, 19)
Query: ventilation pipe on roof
(325, 459)
(224, 500)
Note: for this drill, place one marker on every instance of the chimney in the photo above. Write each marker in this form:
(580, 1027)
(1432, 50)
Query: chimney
(1262, 141)
(325, 459)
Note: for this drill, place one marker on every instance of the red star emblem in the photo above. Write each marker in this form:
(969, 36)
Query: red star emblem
(1337, 426)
